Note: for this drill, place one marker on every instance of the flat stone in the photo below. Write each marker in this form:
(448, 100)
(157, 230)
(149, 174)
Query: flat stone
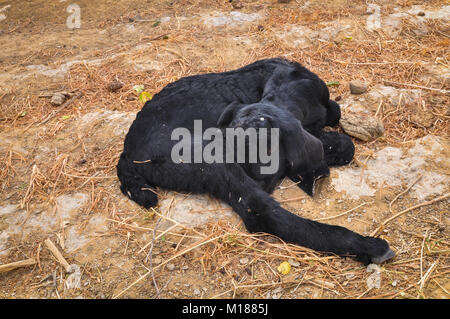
(394, 167)
(170, 267)
(114, 85)
(362, 126)
(422, 118)
(358, 87)
(234, 18)
(58, 99)
(195, 210)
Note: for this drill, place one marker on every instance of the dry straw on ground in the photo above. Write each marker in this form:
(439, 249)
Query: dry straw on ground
(377, 58)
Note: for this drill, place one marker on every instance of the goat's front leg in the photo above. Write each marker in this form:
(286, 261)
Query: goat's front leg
(338, 150)
(307, 181)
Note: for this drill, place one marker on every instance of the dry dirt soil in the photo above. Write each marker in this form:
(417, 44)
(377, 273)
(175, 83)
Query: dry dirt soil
(57, 163)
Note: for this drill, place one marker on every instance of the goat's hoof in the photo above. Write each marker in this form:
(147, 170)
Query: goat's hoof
(386, 256)
(374, 251)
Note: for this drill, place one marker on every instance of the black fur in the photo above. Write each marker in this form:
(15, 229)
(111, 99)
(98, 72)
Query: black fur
(290, 98)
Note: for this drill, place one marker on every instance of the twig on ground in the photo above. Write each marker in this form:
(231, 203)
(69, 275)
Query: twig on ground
(424, 279)
(339, 215)
(61, 108)
(17, 264)
(192, 247)
(57, 254)
(150, 257)
(404, 192)
(438, 199)
(419, 87)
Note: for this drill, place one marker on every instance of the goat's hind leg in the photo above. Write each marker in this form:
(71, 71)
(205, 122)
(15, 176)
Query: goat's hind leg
(333, 113)
(133, 184)
(338, 148)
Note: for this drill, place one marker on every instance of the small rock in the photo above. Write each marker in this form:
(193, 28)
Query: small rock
(293, 263)
(185, 267)
(394, 283)
(422, 118)
(362, 126)
(58, 99)
(170, 267)
(73, 281)
(243, 261)
(237, 4)
(350, 276)
(196, 292)
(115, 85)
(374, 280)
(421, 13)
(358, 87)
(276, 293)
(156, 261)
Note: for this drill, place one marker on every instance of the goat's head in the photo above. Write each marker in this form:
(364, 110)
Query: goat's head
(303, 153)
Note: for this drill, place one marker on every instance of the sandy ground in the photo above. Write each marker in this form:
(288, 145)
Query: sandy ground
(57, 164)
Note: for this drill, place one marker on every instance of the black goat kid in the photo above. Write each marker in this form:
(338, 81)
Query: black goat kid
(271, 93)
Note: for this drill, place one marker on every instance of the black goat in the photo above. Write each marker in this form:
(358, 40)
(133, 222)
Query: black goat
(280, 94)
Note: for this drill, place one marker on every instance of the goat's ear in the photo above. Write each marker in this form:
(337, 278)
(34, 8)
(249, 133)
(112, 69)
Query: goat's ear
(228, 114)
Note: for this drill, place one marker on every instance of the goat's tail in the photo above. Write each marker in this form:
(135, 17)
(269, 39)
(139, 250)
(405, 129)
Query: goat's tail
(133, 184)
